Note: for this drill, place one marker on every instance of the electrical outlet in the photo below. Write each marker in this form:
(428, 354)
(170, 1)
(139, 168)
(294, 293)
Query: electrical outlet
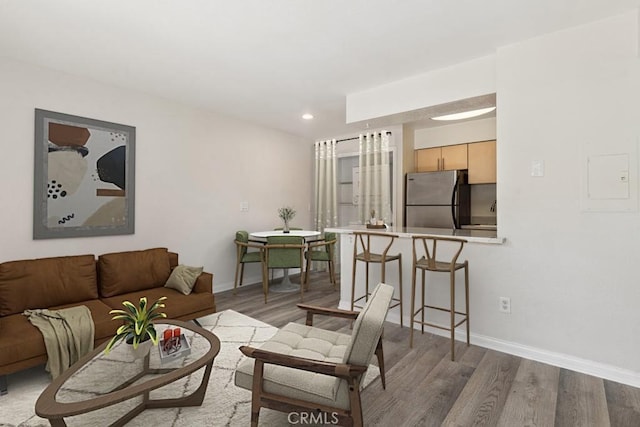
(244, 206)
(505, 304)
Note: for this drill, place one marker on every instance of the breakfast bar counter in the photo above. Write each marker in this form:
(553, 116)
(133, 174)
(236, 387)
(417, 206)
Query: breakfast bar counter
(471, 236)
(477, 241)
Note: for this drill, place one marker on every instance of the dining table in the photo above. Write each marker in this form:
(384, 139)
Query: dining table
(285, 285)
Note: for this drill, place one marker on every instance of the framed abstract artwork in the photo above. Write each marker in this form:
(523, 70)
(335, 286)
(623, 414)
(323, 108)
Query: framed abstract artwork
(84, 177)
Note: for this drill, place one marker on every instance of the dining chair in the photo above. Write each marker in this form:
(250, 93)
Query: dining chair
(322, 251)
(283, 252)
(244, 256)
(282, 228)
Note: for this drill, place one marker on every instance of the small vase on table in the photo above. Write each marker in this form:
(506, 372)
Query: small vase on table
(286, 214)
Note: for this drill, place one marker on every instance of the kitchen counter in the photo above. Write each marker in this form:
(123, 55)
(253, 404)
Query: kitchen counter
(479, 242)
(472, 236)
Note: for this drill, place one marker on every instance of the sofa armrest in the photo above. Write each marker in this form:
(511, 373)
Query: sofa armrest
(204, 283)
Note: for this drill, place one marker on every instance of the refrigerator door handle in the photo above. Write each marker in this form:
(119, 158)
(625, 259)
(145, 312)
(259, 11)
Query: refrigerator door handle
(453, 215)
(453, 203)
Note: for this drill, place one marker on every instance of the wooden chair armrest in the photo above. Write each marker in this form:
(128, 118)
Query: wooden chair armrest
(340, 370)
(318, 243)
(325, 311)
(251, 245)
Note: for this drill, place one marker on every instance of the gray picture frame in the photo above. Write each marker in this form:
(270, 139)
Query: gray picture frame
(84, 177)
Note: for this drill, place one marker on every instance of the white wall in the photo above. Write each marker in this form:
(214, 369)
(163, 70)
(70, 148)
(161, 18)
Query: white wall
(466, 80)
(193, 169)
(572, 276)
(460, 133)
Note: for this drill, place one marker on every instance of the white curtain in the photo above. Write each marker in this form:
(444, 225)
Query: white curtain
(326, 199)
(374, 190)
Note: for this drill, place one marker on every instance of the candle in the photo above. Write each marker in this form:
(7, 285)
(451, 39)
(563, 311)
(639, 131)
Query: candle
(176, 332)
(167, 334)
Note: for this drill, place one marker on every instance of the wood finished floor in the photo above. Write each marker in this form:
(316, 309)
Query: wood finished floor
(481, 388)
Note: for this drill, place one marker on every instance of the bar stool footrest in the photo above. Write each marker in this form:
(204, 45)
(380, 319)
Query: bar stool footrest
(397, 300)
(439, 308)
(435, 325)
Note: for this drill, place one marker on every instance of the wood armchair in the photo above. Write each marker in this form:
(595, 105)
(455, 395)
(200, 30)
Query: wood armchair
(262, 399)
(307, 369)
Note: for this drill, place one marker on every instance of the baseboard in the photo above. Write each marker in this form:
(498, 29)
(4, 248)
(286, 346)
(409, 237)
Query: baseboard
(248, 280)
(585, 366)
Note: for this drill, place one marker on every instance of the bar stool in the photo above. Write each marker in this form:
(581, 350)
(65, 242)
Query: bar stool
(362, 252)
(428, 262)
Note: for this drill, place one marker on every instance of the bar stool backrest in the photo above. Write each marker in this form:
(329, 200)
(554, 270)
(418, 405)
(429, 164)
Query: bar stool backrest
(362, 244)
(430, 246)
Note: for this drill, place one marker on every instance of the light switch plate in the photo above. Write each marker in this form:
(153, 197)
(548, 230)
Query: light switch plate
(537, 167)
(244, 206)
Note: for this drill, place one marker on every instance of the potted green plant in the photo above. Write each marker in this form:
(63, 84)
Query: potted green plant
(137, 328)
(286, 214)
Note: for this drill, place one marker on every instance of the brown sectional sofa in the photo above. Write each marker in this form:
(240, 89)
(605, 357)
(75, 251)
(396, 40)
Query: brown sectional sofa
(100, 284)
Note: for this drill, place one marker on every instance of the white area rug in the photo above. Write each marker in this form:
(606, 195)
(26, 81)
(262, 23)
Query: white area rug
(224, 405)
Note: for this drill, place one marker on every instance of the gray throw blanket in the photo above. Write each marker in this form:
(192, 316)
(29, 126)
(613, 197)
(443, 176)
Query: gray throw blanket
(68, 335)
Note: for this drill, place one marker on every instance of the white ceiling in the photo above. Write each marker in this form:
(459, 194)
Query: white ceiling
(270, 61)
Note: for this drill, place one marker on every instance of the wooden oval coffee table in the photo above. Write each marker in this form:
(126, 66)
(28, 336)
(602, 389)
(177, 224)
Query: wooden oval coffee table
(100, 380)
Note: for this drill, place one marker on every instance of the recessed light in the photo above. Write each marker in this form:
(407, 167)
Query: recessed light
(465, 114)
(307, 116)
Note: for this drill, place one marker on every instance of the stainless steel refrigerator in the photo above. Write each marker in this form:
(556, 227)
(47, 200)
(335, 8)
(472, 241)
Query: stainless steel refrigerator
(437, 199)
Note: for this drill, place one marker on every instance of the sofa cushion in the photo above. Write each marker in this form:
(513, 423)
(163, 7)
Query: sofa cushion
(177, 305)
(104, 326)
(301, 341)
(124, 272)
(183, 278)
(22, 341)
(46, 282)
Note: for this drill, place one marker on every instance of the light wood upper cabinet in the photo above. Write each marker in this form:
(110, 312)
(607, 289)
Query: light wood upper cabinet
(482, 162)
(454, 157)
(428, 159)
(441, 158)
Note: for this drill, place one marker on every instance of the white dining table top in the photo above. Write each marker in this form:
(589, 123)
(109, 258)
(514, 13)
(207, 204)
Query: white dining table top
(297, 233)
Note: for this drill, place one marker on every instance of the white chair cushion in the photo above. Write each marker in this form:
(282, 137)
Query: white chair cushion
(301, 341)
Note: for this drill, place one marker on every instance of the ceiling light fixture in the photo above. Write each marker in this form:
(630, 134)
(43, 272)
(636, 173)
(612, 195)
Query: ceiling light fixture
(307, 116)
(465, 114)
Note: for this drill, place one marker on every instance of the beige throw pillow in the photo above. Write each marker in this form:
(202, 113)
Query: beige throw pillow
(183, 278)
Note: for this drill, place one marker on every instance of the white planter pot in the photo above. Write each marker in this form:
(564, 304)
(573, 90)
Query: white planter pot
(142, 350)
